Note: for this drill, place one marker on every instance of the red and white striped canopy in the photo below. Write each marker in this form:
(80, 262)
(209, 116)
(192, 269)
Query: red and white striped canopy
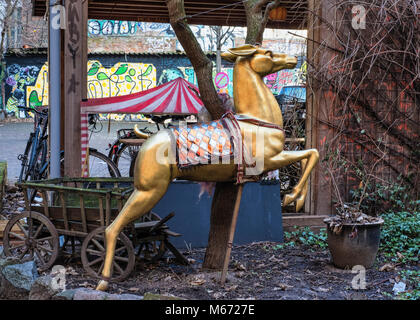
(174, 97)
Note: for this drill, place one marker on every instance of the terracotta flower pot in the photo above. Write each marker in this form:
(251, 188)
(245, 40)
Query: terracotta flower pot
(355, 244)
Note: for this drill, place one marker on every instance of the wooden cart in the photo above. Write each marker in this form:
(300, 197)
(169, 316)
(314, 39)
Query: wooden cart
(74, 213)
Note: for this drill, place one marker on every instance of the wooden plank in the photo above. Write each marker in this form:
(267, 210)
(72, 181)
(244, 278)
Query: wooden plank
(25, 197)
(84, 62)
(231, 234)
(45, 204)
(71, 233)
(64, 210)
(312, 99)
(156, 11)
(74, 214)
(73, 82)
(83, 213)
(108, 209)
(315, 222)
(101, 207)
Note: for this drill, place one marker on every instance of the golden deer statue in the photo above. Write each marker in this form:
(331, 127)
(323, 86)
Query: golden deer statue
(258, 113)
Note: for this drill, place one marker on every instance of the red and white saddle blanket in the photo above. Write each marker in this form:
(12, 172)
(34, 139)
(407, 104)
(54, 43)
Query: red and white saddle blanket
(215, 142)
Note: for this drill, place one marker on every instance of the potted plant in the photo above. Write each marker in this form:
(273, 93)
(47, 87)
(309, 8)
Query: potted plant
(353, 237)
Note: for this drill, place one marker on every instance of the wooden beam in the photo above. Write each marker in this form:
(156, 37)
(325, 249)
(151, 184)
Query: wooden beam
(75, 55)
(311, 101)
(315, 222)
(156, 11)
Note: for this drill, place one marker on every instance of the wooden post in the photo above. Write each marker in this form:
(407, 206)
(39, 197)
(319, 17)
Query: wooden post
(222, 210)
(231, 234)
(311, 101)
(321, 100)
(75, 53)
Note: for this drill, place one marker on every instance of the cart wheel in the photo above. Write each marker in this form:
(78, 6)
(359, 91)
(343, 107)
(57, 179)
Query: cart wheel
(31, 235)
(93, 255)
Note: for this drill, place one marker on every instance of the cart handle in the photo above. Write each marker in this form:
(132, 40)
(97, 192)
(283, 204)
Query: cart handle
(161, 222)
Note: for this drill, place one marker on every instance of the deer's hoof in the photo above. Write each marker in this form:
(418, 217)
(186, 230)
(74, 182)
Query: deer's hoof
(102, 285)
(289, 198)
(299, 203)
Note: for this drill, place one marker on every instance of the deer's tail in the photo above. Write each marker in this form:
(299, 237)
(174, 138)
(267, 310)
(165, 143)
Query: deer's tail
(139, 133)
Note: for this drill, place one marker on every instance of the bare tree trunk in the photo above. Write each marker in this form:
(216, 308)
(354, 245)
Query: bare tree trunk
(202, 65)
(256, 19)
(225, 194)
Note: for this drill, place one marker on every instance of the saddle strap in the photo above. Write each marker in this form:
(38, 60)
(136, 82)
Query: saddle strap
(258, 122)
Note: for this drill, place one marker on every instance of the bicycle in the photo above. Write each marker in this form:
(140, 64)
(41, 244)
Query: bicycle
(123, 152)
(34, 157)
(36, 161)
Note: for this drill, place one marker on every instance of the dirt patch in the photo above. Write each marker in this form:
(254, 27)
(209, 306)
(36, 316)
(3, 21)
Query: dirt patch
(257, 271)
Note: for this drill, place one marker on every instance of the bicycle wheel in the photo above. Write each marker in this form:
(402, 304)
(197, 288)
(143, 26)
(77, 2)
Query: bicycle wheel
(33, 172)
(101, 166)
(24, 157)
(125, 159)
(124, 155)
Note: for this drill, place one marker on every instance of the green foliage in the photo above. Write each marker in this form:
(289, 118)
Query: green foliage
(380, 198)
(304, 236)
(400, 236)
(412, 280)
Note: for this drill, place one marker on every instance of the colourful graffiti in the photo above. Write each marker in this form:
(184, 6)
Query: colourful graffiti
(121, 79)
(111, 28)
(18, 78)
(28, 85)
(37, 95)
(190, 76)
(276, 81)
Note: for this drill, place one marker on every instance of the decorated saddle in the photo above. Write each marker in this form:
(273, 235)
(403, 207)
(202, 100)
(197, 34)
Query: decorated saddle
(207, 143)
(215, 142)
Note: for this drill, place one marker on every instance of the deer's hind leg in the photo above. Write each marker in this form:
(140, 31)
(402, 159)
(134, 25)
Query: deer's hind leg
(308, 158)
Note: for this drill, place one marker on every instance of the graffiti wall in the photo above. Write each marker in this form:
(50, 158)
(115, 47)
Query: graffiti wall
(111, 28)
(155, 36)
(115, 75)
(18, 78)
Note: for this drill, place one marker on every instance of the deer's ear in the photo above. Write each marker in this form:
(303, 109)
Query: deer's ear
(228, 56)
(243, 51)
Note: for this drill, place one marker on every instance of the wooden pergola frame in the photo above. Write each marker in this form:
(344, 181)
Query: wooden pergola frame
(229, 12)
(204, 12)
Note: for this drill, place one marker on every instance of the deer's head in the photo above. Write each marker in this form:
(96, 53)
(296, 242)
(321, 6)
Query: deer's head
(262, 61)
